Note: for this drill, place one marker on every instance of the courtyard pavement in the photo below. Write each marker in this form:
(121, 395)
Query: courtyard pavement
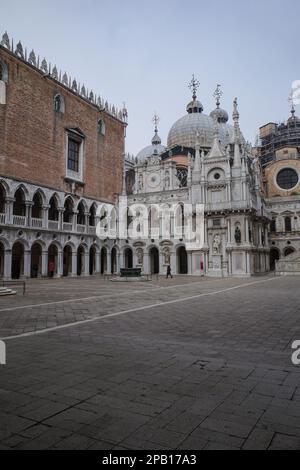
(188, 363)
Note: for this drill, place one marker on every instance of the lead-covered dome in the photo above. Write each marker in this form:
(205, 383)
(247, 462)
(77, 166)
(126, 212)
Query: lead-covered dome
(183, 132)
(154, 149)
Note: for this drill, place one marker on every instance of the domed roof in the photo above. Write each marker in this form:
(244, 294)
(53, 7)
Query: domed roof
(220, 115)
(149, 151)
(183, 132)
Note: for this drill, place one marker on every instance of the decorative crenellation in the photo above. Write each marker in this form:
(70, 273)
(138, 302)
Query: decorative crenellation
(67, 81)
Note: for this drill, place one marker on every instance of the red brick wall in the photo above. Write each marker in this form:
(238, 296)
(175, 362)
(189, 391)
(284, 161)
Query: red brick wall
(32, 135)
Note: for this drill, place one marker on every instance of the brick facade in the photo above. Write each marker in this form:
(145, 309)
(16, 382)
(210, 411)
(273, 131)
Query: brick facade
(33, 136)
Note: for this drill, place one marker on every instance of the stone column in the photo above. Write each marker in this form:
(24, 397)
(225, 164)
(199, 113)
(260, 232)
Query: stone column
(74, 221)
(28, 213)
(247, 231)
(9, 210)
(27, 263)
(146, 262)
(86, 264)
(108, 267)
(97, 262)
(59, 264)
(173, 262)
(161, 263)
(44, 263)
(74, 264)
(7, 265)
(61, 211)
(45, 216)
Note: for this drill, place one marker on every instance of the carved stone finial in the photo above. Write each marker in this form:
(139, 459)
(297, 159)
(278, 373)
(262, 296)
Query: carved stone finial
(65, 79)
(91, 97)
(5, 40)
(83, 91)
(32, 58)
(44, 66)
(55, 73)
(106, 106)
(74, 86)
(19, 50)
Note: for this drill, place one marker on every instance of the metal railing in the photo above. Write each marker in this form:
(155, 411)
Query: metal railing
(19, 220)
(37, 223)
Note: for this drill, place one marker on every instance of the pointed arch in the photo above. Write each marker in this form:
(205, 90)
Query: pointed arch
(19, 207)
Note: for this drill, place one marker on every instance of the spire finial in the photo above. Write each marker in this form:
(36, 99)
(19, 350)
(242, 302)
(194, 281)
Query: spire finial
(156, 121)
(217, 95)
(193, 86)
(292, 102)
(235, 114)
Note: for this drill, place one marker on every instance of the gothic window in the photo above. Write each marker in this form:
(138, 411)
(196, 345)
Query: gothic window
(182, 176)
(68, 214)
(73, 155)
(92, 215)
(37, 206)
(273, 226)
(287, 178)
(3, 72)
(19, 203)
(2, 199)
(53, 211)
(81, 214)
(59, 104)
(101, 127)
(288, 224)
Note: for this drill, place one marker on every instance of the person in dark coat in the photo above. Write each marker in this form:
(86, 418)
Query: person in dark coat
(169, 272)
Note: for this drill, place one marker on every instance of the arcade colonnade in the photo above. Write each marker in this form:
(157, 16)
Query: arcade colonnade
(19, 259)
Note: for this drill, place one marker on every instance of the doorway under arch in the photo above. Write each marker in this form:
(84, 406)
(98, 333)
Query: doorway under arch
(93, 254)
(80, 260)
(182, 261)
(154, 260)
(103, 261)
(274, 256)
(36, 260)
(52, 260)
(67, 261)
(2, 257)
(114, 265)
(17, 261)
(128, 258)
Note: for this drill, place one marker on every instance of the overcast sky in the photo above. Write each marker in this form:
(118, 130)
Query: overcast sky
(145, 52)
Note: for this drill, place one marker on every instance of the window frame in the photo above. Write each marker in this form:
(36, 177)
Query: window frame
(75, 173)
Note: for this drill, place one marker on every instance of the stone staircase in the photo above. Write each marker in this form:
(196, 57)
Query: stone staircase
(289, 266)
(6, 291)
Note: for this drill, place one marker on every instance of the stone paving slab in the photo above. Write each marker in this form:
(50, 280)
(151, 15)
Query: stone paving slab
(209, 372)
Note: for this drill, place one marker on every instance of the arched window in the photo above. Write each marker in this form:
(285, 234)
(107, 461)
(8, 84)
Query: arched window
(19, 204)
(68, 214)
(288, 224)
(59, 104)
(182, 176)
(81, 214)
(101, 127)
(37, 208)
(3, 71)
(53, 210)
(273, 226)
(92, 216)
(2, 199)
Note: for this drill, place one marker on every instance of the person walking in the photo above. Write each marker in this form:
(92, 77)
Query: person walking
(51, 268)
(169, 272)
